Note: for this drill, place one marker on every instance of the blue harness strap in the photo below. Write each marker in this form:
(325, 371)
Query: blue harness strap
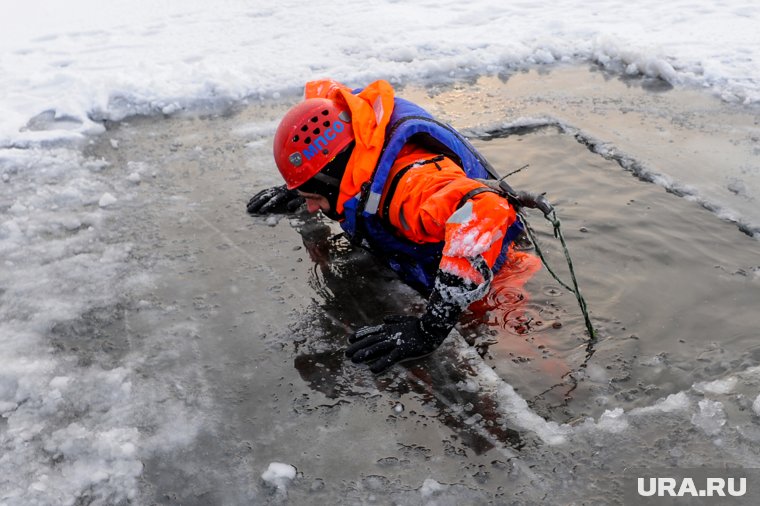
(409, 120)
(416, 264)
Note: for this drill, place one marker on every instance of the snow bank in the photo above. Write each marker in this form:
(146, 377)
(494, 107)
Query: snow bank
(68, 66)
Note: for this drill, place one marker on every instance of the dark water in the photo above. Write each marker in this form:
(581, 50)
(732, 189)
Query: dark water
(248, 317)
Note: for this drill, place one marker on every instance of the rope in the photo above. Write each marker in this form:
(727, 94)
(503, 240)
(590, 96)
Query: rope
(552, 218)
(514, 171)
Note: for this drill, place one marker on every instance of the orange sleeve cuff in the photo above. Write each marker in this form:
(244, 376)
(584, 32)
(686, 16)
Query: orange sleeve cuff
(460, 266)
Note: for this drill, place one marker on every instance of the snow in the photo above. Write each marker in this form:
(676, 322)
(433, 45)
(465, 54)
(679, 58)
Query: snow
(65, 67)
(106, 200)
(279, 475)
(77, 63)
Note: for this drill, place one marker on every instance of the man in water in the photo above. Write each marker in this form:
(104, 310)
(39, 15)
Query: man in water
(408, 188)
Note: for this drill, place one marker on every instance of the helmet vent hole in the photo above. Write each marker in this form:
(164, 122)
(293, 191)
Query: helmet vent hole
(326, 123)
(316, 131)
(314, 119)
(304, 128)
(325, 112)
(307, 140)
(325, 151)
(295, 138)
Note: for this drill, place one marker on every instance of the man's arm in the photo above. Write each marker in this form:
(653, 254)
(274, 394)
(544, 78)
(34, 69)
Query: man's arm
(474, 237)
(405, 337)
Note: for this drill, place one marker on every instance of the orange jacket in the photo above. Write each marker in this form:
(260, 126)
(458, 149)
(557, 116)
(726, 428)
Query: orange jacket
(424, 205)
(423, 209)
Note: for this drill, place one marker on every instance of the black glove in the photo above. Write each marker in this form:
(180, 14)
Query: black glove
(403, 337)
(277, 199)
(399, 338)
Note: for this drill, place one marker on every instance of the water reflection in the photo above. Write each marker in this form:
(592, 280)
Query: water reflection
(354, 291)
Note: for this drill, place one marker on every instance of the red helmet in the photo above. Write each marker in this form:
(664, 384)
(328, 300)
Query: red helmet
(310, 135)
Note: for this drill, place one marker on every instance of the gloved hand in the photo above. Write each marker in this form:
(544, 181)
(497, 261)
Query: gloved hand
(399, 338)
(277, 199)
(403, 337)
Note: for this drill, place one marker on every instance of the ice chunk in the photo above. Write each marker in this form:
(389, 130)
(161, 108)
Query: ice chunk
(710, 418)
(106, 200)
(134, 178)
(756, 406)
(613, 421)
(670, 404)
(430, 488)
(279, 475)
(721, 386)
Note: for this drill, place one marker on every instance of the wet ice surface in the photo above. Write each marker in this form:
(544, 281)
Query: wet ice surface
(215, 374)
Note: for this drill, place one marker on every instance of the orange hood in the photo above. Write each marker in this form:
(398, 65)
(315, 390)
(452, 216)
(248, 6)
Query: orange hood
(370, 113)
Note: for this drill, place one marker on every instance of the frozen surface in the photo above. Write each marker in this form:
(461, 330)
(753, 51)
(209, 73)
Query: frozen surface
(67, 66)
(70, 410)
(244, 320)
(158, 345)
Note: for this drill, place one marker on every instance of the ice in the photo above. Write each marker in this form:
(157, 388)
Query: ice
(107, 200)
(510, 404)
(431, 488)
(258, 130)
(468, 386)
(756, 406)
(279, 475)
(611, 421)
(710, 417)
(721, 386)
(672, 403)
(69, 430)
